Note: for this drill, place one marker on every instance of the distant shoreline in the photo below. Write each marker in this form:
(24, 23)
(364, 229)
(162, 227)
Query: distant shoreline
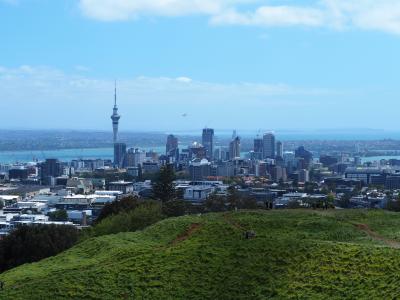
(26, 156)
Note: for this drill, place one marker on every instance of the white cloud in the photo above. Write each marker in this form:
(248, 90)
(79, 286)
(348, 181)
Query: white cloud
(273, 16)
(40, 91)
(382, 15)
(184, 79)
(110, 10)
(81, 68)
(29, 80)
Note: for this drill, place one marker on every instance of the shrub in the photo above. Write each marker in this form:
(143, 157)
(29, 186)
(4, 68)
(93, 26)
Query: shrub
(145, 214)
(58, 215)
(124, 205)
(29, 244)
(175, 208)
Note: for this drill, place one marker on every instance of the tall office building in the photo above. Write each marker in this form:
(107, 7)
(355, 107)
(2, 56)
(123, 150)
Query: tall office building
(208, 142)
(234, 148)
(221, 153)
(304, 156)
(234, 134)
(199, 169)
(258, 148)
(279, 149)
(197, 150)
(172, 145)
(49, 170)
(269, 145)
(134, 157)
(115, 116)
(304, 176)
(119, 154)
(171, 149)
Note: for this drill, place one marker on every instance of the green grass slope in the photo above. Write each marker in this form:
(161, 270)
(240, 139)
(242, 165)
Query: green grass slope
(295, 255)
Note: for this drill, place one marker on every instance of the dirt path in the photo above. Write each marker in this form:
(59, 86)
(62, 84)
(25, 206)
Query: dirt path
(187, 234)
(376, 236)
(232, 222)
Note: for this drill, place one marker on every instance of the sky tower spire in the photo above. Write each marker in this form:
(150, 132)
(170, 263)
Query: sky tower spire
(115, 116)
(115, 93)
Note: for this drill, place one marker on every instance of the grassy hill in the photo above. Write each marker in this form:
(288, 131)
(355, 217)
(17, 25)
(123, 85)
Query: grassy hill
(295, 255)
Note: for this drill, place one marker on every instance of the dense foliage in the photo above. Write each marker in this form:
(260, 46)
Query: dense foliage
(33, 243)
(58, 215)
(163, 186)
(126, 204)
(145, 214)
(296, 254)
(175, 208)
(219, 203)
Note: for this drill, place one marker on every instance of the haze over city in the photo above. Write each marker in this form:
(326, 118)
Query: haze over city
(183, 65)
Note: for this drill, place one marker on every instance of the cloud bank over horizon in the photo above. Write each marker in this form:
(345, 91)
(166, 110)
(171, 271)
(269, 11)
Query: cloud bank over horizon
(50, 98)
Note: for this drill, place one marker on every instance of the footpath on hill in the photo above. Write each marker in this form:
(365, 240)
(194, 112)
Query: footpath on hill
(377, 237)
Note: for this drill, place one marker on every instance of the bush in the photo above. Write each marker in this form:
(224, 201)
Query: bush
(215, 203)
(145, 214)
(124, 205)
(58, 215)
(29, 244)
(248, 203)
(175, 208)
(393, 205)
(163, 186)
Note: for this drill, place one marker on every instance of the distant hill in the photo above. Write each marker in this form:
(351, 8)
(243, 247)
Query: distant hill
(294, 255)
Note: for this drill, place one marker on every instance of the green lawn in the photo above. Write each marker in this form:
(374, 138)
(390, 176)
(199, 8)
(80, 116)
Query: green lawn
(295, 255)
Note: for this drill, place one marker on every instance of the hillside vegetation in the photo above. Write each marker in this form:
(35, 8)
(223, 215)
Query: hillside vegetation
(295, 255)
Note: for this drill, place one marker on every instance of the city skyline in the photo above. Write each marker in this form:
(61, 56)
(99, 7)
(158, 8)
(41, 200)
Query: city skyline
(309, 64)
(199, 149)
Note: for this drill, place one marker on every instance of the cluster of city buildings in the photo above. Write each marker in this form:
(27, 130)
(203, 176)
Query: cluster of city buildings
(274, 177)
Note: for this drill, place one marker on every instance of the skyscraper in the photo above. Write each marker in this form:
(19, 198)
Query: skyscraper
(279, 149)
(119, 154)
(49, 170)
(305, 156)
(269, 145)
(171, 148)
(172, 145)
(208, 142)
(115, 116)
(258, 148)
(234, 148)
(134, 157)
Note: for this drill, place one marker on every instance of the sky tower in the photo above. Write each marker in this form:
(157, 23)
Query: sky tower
(115, 116)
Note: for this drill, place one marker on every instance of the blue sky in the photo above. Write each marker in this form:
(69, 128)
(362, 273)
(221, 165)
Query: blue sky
(244, 64)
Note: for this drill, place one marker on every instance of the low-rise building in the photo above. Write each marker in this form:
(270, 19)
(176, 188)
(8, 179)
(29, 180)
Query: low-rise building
(198, 194)
(9, 199)
(126, 187)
